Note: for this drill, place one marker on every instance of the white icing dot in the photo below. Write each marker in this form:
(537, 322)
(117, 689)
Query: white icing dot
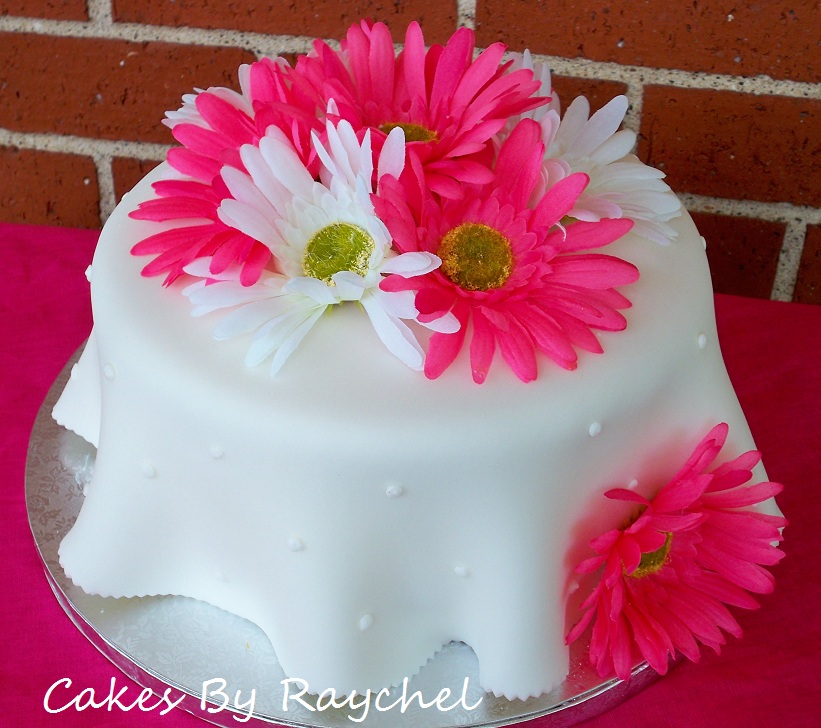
(295, 544)
(73, 370)
(702, 341)
(88, 274)
(594, 429)
(365, 622)
(108, 372)
(394, 490)
(149, 471)
(633, 484)
(461, 570)
(216, 452)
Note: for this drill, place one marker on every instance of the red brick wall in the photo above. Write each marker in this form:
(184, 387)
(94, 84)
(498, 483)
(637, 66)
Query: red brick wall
(725, 97)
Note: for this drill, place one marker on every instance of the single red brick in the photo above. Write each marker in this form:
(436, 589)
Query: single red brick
(51, 9)
(598, 92)
(127, 172)
(808, 284)
(733, 145)
(44, 188)
(108, 89)
(744, 39)
(742, 252)
(317, 19)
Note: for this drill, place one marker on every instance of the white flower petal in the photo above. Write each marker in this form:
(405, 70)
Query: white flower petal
(399, 304)
(409, 265)
(344, 166)
(602, 125)
(287, 167)
(246, 190)
(293, 340)
(574, 119)
(616, 147)
(201, 268)
(447, 324)
(275, 332)
(250, 221)
(394, 334)
(265, 179)
(193, 287)
(349, 286)
(224, 295)
(251, 317)
(392, 156)
(592, 208)
(327, 160)
(312, 288)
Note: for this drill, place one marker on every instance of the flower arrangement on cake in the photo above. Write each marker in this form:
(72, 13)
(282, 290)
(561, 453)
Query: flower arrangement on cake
(428, 185)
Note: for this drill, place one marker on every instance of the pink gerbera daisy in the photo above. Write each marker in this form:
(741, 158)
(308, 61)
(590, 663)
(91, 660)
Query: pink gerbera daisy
(196, 232)
(512, 274)
(448, 103)
(212, 126)
(667, 576)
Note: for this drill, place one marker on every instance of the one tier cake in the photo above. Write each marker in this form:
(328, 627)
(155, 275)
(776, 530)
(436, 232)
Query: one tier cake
(414, 325)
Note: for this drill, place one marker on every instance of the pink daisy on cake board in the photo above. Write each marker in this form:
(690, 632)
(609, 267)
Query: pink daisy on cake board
(669, 574)
(512, 274)
(329, 246)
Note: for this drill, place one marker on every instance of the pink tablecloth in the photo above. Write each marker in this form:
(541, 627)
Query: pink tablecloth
(772, 677)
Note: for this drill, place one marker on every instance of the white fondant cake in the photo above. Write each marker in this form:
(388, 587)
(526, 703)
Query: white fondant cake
(359, 490)
(360, 513)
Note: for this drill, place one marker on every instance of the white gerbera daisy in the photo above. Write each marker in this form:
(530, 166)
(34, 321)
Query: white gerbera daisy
(329, 244)
(620, 185)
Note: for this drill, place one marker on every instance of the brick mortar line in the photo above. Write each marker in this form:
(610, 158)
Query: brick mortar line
(258, 43)
(105, 184)
(785, 212)
(789, 261)
(262, 44)
(639, 76)
(84, 146)
(466, 14)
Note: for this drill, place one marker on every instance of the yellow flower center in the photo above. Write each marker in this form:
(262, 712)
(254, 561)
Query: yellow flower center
(413, 132)
(337, 247)
(653, 561)
(476, 257)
